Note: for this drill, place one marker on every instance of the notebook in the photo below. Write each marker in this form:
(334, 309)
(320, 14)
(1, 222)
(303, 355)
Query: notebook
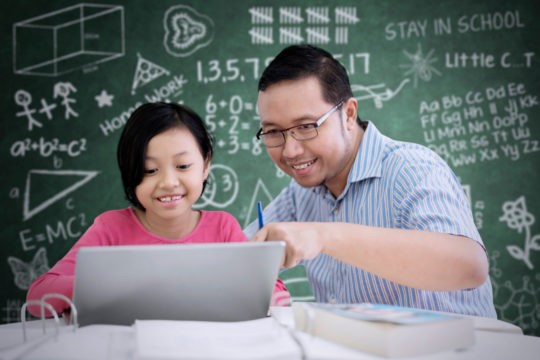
(199, 282)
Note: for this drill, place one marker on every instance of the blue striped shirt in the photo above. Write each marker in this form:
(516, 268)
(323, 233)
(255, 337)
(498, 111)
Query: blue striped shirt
(395, 185)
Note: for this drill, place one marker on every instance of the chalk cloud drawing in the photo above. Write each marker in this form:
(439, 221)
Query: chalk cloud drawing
(25, 273)
(420, 66)
(517, 217)
(146, 72)
(222, 187)
(74, 37)
(186, 31)
(28, 212)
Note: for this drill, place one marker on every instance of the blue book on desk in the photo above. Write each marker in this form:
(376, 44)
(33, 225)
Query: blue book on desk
(385, 330)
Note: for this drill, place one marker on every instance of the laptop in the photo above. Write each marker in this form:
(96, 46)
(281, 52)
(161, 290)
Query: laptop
(199, 282)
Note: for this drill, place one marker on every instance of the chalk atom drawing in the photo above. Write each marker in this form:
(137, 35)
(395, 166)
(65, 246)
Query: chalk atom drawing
(76, 36)
(82, 178)
(186, 31)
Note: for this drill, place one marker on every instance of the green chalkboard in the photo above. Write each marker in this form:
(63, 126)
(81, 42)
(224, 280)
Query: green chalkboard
(461, 77)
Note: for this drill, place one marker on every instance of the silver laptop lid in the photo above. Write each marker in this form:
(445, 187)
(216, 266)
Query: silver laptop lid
(208, 282)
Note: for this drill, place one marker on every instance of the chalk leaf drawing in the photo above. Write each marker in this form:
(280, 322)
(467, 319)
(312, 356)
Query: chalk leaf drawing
(518, 218)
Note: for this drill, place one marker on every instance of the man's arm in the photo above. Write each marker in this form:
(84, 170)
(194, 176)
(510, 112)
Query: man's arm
(420, 259)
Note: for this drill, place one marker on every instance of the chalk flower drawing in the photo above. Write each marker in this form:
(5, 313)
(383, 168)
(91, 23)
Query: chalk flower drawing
(517, 217)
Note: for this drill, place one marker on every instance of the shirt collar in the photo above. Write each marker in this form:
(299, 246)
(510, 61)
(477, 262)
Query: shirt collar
(372, 150)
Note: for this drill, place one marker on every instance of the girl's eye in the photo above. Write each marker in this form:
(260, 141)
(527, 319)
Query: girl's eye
(150, 171)
(183, 166)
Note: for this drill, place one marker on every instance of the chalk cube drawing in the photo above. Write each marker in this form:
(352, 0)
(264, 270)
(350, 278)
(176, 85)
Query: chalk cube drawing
(74, 37)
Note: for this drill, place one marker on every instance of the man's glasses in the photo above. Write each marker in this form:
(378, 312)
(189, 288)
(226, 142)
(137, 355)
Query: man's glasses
(276, 138)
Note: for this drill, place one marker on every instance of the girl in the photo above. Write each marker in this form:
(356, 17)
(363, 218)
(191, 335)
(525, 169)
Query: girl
(164, 157)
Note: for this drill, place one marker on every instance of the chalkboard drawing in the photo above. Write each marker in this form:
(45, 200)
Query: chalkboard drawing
(85, 176)
(516, 304)
(421, 66)
(261, 194)
(221, 189)
(104, 99)
(63, 90)
(25, 273)
(146, 72)
(517, 217)
(74, 37)
(379, 92)
(186, 31)
(23, 98)
(346, 15)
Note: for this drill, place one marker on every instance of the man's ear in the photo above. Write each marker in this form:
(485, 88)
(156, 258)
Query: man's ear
(351, 112)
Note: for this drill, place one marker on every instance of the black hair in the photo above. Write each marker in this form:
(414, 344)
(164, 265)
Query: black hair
(297, 62)
(147, 121)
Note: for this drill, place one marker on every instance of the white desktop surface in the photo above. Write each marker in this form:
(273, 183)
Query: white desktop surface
(494, 340)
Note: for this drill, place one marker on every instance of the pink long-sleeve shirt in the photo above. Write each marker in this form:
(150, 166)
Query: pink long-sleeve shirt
(121, 227)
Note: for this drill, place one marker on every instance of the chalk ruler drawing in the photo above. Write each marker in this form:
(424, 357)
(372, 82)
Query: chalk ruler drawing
(28, 212)
(77, 36)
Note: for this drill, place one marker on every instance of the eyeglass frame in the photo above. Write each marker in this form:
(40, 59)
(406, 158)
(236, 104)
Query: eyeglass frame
(316, 124)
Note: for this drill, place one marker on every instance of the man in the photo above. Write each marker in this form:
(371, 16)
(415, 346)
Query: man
(373, 219)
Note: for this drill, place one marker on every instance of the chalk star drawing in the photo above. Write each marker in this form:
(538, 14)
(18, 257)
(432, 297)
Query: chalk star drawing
(517, 217)
(104, 99)
(25, 273)
(420, 65)
(146, 72)
(29, 212)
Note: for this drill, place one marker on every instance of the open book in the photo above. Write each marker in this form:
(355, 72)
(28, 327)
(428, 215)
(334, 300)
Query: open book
(385, 330)
(253, 339)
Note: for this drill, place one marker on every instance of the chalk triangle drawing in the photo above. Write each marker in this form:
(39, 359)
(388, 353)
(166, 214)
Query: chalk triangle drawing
(261, 194)
(84, 177)
(146, 72)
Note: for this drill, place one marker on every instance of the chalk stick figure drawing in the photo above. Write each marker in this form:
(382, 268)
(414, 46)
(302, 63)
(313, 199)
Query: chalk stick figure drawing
(63, 90)
(420, 66)
(23, 98)
(517, 217)
(24, 273)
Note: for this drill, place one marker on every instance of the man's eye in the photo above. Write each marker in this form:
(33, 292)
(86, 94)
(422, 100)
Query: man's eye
(305, 127)
(272, 132)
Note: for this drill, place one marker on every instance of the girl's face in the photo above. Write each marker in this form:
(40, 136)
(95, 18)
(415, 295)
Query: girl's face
(174, 175)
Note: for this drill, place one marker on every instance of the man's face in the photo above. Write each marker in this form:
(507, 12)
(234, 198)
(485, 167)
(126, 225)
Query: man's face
(325, 159)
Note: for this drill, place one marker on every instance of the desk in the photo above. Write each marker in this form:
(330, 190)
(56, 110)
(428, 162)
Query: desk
(494, 340)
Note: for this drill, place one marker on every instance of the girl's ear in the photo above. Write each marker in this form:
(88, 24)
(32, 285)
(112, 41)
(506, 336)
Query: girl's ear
(206, 172)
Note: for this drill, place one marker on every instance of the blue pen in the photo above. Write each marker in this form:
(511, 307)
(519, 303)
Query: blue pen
(260, 214)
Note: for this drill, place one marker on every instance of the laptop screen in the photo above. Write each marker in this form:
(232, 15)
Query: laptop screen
(199, 282)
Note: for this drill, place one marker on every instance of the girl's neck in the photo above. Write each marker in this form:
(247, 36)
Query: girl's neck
(170, 229)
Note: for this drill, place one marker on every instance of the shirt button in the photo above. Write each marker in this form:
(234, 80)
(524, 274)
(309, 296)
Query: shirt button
(332, 299)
